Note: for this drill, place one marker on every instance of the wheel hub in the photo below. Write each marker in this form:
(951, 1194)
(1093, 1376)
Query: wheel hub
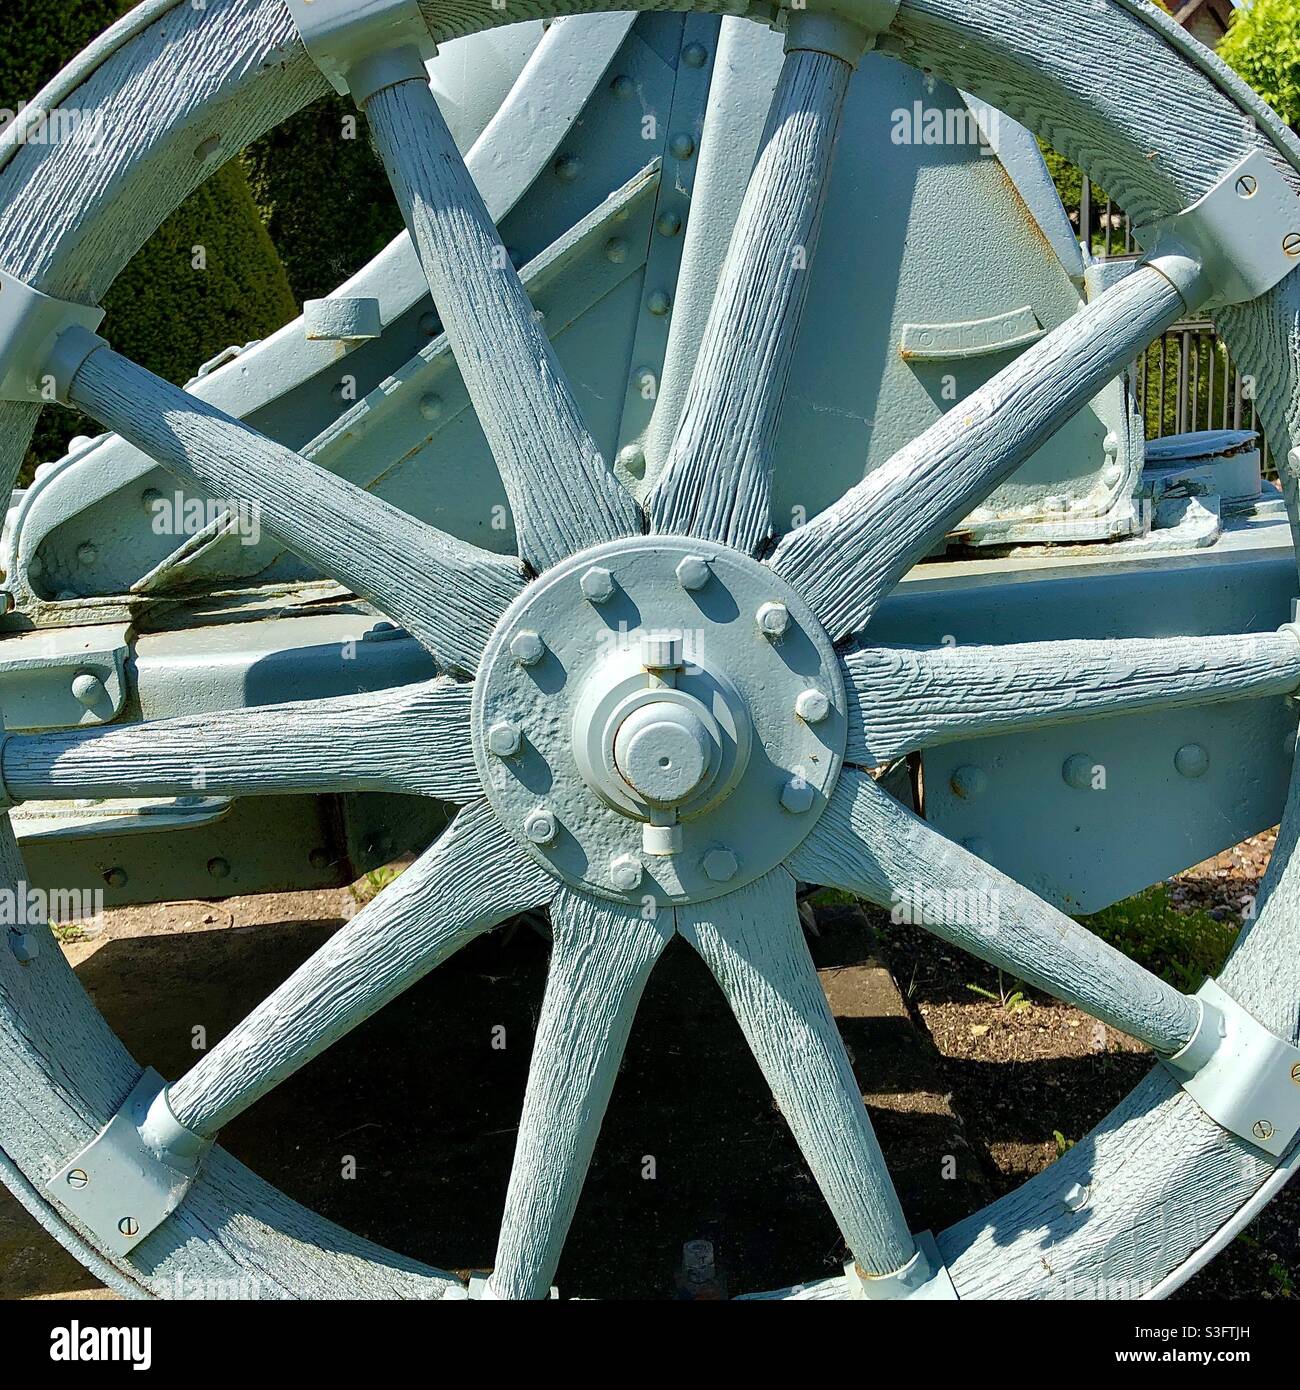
(659, 718)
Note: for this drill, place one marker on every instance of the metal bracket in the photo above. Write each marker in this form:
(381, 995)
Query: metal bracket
(1243, 1076)
(924, 1278)
(129, 1180)
(363, 46)
(1235, 242)
(43, 341)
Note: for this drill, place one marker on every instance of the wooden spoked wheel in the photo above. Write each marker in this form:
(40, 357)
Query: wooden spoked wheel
(744, 762)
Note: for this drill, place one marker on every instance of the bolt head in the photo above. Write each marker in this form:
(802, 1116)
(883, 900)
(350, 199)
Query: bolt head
(625, 873)
(693, 572)
(797, 796)
(25, 946)
(527, 648)
(504, 739)
(662, 651)
(1076, 1197)
(597, 585)
(540, 827)
(773, 619)
(721, 865)
(812, 706)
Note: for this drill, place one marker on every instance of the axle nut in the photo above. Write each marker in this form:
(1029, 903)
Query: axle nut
(527, 648)
(540, 827)
(693, 572)
(773, 619)
(812, 706)
(625, 873)
(504, 739)
(797, 796)
(597, 585)
(720, 865)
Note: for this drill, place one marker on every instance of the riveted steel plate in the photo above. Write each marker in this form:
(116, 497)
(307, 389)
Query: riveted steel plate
(587, 643)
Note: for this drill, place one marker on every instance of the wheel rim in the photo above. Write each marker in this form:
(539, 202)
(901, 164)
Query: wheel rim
(1186, 1163)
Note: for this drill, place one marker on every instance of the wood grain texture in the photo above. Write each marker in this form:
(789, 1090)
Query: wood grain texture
(602, 954)
(447, 593)
(473, 877)
(562, 494)
(752, 941)
(716, 482)
(866, 842)
(848, 558)
(413, 739)
(905, 698)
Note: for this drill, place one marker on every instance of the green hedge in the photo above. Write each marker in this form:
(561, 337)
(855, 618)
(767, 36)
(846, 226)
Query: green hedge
(1263, 45)
(161, 310)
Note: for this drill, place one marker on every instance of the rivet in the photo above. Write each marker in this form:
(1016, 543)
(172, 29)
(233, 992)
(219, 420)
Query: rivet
(1246, 186)
(623, 87)
(1111, 474)
(219, 868)
(631, 458)
(812, 706)
(1262, 1129)
(693, 572)
(87, 553)
(527, 647)
(504, 739)
(773, 619)
(431, 406)
(682, 146)
(695, 55)
(658, 302)
(616, 249)
(88, 689)
(78, 1177)
(1291, 244)
(968, 781)
(25, 945)
(1192, 760)
(1111, 443)
(567, 168)
(625, 873)
(129, 1226)
(150, 498)
(207, 148)
(430, 324)
(597, 585)
(1077, 771)
(1076, 1197)
(115, 878)
(797, 796)
(540, 826)
(720, 865)
(669, 224)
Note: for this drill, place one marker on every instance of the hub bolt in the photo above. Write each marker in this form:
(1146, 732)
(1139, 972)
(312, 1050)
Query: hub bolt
(812, 706)
(597, 585)
(625, 872)
(662, 651)
(693, 572)
(527, 648)
(773, 619)
(720, 865)
(797, 796)
(504, 739)
(540, 826)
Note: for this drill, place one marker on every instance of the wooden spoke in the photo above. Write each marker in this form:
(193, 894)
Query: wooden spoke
(753, 943)
(563, 496)
(867, 843)
(600, 960)
(848, 558)
(414, 739)
(448, 594)
(471, 879)
(915, 697)
(717, 477)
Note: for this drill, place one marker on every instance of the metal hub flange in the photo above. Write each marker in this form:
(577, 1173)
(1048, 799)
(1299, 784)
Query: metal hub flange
(659, 717)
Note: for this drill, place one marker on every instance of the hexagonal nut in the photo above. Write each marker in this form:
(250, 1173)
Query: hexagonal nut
(597, 585)
(693, 572)
(812, 706)
(25, 946)
(720, 865)
(504, 739)
(527, 647)
(540, 827)
(773, 619)
(625, 873)
(797, 796)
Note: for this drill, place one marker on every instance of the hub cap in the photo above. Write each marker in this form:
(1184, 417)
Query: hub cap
(669, 709)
